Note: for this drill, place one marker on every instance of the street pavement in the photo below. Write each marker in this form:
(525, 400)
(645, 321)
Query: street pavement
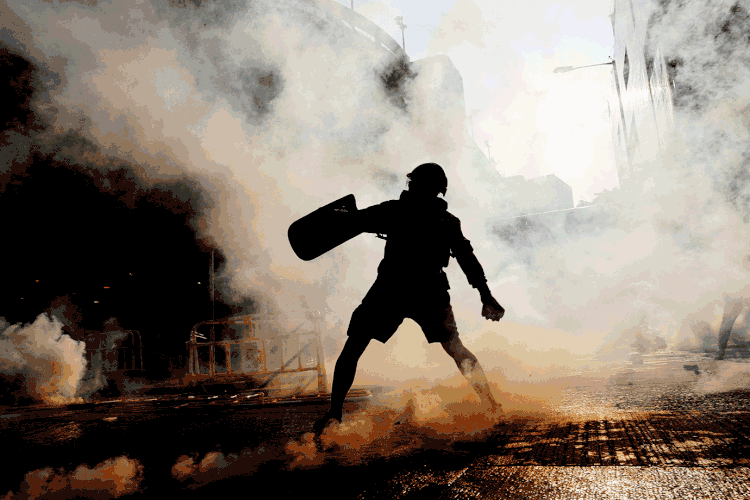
(675, 426)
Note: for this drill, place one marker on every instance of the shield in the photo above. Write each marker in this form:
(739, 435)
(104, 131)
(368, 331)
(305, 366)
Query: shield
(324, 229)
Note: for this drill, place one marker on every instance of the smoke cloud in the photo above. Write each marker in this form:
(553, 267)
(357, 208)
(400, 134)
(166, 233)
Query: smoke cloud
(676, 244)
(50, 363)
(404, 420)
(215, 465)
(274, 114)
(392, 424)
(258, 102)
(41, 363)
(263, 104)
(112, 478)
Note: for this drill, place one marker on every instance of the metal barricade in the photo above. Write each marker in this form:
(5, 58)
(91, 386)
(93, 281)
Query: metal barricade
(286, 367)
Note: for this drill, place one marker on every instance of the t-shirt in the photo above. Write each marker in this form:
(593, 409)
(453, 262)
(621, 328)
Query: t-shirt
(421, 237)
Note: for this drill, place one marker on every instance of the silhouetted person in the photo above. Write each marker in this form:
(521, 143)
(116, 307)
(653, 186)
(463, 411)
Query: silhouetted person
(421, 237)
(732, 309)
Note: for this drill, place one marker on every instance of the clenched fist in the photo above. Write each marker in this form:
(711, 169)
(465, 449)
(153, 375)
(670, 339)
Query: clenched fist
(491, 309)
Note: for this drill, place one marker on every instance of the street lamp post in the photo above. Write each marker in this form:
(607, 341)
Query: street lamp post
(565, 69)
(400, 22)
(489, 156)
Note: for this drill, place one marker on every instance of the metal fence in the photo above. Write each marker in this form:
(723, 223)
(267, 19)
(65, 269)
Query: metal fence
(254, 357)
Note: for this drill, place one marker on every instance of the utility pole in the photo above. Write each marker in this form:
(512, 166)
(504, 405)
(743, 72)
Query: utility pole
(213, 316)
(400, 22)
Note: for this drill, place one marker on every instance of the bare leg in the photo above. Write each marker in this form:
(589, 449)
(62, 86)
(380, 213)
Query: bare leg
(343, 374)
(343, 378)
(732, 310)
(470, 368)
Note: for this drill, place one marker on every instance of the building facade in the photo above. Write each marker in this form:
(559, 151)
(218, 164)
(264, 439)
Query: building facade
(640, 105)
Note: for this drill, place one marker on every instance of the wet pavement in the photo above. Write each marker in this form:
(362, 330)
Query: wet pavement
(646, 431)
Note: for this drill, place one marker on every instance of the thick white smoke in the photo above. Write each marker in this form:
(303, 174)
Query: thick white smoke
(50, 363)
(42, 363)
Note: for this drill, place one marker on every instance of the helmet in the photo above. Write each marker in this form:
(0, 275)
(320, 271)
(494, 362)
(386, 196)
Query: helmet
(430, 174)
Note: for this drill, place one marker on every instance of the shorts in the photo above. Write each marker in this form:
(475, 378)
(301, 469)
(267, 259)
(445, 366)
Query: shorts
(389, 302)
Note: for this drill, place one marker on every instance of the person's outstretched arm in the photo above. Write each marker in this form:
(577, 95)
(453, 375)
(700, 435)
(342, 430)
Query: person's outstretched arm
(464, 254)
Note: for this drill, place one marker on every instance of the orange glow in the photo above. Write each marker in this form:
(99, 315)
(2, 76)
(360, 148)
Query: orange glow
(106, 287)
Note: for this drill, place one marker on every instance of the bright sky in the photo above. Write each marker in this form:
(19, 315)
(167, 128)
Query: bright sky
(536, 122)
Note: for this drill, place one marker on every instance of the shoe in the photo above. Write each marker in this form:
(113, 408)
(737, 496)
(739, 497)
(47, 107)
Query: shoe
(323, 423)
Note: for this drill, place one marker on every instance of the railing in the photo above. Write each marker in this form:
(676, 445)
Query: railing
(226, 345)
